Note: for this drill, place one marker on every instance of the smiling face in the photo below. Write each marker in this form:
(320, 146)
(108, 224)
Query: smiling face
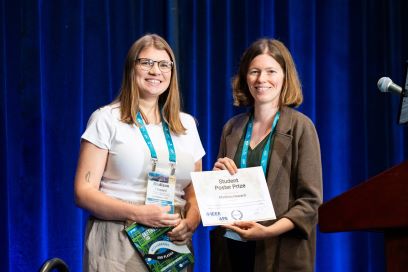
(154, 82)
(265, 79)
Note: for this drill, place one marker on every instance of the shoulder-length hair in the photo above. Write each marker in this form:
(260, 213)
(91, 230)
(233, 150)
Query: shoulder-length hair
(291, 93)
(129, 95)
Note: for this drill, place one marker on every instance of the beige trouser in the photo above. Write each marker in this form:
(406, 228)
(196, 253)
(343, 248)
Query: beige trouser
(107, 248)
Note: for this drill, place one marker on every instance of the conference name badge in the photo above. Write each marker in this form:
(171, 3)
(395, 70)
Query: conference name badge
(161, 189)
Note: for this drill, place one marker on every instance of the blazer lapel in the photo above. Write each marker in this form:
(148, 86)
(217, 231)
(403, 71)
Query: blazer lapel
(234, 137)
(281, 144)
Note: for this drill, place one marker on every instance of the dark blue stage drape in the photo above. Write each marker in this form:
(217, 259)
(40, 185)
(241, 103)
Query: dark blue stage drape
(60, 60)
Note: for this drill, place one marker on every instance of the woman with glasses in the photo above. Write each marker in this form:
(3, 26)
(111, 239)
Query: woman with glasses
(284, 142)
(141, 134)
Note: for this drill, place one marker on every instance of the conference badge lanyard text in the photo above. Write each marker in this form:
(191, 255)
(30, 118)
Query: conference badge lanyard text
(160, 187)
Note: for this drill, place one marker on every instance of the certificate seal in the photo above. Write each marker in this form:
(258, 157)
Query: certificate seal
(236, 214)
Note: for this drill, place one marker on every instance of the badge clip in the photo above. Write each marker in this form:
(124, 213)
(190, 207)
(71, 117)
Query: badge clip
(173, 168)
(154, 164)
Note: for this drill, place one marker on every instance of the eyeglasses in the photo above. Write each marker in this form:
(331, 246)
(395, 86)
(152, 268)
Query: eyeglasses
(146, 64)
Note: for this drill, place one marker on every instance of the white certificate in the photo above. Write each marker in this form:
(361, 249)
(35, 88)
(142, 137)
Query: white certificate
(224, 198)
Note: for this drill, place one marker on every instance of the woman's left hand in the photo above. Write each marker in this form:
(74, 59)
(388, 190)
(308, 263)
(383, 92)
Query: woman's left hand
(249, 230)
(181, 233)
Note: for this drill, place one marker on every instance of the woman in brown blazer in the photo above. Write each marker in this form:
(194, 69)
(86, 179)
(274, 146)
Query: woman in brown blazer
(285, 143)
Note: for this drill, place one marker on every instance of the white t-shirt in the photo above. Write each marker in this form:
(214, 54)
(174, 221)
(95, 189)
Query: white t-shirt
(129, 161)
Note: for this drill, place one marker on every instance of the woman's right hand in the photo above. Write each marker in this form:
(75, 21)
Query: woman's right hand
(226, 164)
(157, 216)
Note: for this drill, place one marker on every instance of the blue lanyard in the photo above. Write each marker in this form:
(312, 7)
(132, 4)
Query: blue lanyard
(146, 137)
(265, 151)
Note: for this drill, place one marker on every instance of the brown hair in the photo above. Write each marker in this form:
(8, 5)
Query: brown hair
(169, 101)
(291, 94)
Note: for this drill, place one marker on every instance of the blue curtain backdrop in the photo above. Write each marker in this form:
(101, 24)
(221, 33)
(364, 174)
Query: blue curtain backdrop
(61, 60)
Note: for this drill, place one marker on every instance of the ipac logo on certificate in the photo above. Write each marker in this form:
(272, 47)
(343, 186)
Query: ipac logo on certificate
(224, 198)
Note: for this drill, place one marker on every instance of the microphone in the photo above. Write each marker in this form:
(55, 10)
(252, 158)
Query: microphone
(385, 85)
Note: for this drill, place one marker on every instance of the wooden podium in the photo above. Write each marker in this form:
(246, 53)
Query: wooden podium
(379, 204)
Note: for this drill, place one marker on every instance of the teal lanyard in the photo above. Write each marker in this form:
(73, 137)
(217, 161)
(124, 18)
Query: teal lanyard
(265, 151)
(170, 145)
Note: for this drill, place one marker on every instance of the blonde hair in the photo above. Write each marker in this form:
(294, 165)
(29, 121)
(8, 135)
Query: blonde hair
(129, 94)
(291, 93)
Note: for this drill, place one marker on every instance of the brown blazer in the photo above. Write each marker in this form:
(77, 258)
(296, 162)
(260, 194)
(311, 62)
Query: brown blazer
(295, 184)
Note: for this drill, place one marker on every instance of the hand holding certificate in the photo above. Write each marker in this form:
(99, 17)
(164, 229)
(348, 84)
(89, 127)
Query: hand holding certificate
(224, 198)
